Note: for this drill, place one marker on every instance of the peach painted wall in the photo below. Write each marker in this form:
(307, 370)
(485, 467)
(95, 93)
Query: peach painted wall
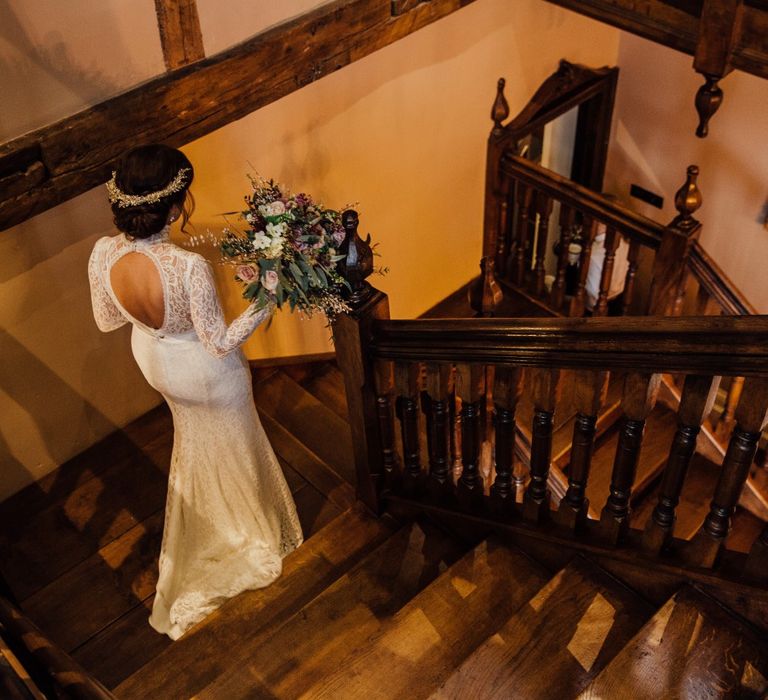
(654, 141)
(402, 132)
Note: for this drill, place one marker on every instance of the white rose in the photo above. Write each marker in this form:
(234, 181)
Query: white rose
(261, 240)
(275, 248)
(269, 280)
(272, 209)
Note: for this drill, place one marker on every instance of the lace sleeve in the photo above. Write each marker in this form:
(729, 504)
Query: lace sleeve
(208, 318)
(107, 315)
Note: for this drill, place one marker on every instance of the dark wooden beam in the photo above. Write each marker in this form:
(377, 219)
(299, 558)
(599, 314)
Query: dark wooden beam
(53, 164)
(180, 33)
(675, 23)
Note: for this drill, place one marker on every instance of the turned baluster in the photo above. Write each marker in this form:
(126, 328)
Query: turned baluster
(439, 385)
(470, 387)
(507, 388)
(523, 199)
(698, 395)
(544, 211)
(577, 303)
(544, 390)
(757, 562)
(590, 392)
(407, 386)
(728, 417)
(704, 549)
(629, 283)
(612, 240)
(384, 377)
(504, 243)
(567, 218)
(639, 398)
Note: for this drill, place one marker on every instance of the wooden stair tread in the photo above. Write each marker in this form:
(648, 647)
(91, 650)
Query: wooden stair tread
(315, 640)
(513, 305)
(691, 648)
(572, 628)
(92, 513)
(325, 382)
(659, 430)
(438, 629)
(308, 420)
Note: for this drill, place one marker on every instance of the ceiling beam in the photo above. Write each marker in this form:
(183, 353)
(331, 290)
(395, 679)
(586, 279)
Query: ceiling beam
(50, 165)
(180, 33)
(675, 23)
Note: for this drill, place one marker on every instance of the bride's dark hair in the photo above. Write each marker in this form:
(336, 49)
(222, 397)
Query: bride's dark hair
(148, 169)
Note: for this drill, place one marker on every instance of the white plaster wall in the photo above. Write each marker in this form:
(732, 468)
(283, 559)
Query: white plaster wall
(654, 141)
(60, 56)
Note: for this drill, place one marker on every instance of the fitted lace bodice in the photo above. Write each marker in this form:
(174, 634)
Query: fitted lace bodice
(189, 291)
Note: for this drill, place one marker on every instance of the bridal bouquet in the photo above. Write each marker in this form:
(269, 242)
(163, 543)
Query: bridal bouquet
(288, 251)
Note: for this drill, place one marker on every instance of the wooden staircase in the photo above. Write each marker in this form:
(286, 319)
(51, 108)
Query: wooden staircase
(367, 607)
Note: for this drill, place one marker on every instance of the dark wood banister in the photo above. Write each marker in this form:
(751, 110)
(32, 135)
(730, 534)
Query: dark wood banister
(717, 284)
(646, 231)
(718, 345)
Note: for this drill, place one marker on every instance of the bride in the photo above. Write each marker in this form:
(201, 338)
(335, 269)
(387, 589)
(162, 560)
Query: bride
(229, 517)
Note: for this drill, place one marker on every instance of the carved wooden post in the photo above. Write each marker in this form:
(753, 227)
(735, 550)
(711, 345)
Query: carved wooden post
(611, 244)
(544, 210)
(669, 266)
(719, 34)
(485, 302)
(696, 402)
(470, 386)
(507, 388)
(704, 548)
(545, 389)
(629, 284)
(567, 218)
(578, 301)
(407, 389)
(523, 198)
(639, 398)
(439, 385)
(385, 385)
(352, 334)
(591, 388)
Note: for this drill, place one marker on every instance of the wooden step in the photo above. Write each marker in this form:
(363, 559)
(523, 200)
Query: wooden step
(91, 501)
(207, 650)
(692, 648)
(311, 422)
(314, 642)
(659, 430)
(438, 629)
(325, 382)
(572, 628)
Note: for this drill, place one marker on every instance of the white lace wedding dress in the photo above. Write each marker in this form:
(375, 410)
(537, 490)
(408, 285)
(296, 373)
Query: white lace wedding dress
(229, 517)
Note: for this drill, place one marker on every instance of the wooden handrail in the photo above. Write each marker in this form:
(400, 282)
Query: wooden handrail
(635, 226)
(60, 670)
(717, 284)
(720, 345)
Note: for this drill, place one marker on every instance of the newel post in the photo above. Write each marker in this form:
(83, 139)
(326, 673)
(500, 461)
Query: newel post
(670, 264)
(485, 293)
(353, 334)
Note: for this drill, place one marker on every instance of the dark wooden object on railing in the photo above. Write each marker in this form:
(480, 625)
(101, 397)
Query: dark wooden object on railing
(53, 668)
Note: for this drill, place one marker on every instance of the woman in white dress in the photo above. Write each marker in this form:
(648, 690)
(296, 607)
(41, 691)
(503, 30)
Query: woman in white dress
(229, 517)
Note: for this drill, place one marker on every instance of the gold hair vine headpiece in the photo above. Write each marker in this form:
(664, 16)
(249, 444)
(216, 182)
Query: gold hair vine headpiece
(117, 196)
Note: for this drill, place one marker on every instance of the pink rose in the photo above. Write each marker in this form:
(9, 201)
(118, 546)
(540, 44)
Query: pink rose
(246, 273)
(269, 279)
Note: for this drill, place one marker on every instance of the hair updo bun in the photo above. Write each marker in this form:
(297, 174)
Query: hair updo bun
(145, 170)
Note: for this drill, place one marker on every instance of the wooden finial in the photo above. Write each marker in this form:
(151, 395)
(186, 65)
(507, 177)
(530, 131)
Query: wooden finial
(688, 199)
(500, 109)
(358, 261)
(708, 100)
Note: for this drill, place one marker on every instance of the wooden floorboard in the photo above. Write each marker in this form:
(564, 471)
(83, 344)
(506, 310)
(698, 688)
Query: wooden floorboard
(691, 648)
(326, 383)
(318, 638)
(572, 628)
(250, 617)
(437, 630)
